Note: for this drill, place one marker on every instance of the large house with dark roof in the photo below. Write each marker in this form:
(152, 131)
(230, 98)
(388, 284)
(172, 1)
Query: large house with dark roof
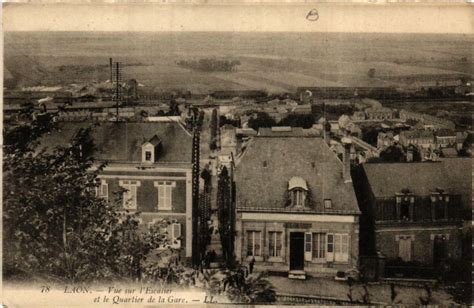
(296, 207)
(150, 163)
(412, 213)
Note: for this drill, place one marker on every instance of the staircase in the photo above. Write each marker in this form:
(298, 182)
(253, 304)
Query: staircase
(297, 274)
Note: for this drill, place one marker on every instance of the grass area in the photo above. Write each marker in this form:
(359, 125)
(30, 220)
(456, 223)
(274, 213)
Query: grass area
(270, 61)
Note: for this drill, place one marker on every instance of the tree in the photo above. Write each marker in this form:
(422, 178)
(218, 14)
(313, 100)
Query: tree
(223, 120)
(298, 120)
(263, 119)
(370, 134)
(174, 109)
(55, 227)
(197, 124)
(214, 128)
(224, 204)
(250, 290)
(392, 154)
(415, 153)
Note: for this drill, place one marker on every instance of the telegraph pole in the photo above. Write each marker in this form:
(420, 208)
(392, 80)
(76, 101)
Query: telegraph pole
(116, 73)
(196, 258)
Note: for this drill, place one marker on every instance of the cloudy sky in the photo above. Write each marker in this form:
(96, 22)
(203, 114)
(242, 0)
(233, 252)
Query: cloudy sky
(388, 17)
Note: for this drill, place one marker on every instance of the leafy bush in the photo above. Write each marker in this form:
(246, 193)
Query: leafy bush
(55, 227)
(209, 65)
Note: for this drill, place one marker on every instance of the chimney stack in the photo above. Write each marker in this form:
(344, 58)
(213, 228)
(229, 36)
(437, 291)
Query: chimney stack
(346, 160)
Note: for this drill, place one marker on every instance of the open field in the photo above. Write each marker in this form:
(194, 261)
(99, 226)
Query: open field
(274, 62)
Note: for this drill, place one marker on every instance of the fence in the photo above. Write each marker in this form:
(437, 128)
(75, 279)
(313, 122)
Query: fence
(283, 298)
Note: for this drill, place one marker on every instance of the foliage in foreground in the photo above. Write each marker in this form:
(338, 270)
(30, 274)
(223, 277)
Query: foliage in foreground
(55, 227)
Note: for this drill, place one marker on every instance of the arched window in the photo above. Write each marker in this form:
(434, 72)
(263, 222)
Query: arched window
(298, 190)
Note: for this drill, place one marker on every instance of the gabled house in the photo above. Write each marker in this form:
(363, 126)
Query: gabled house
(296, 207)
(412, 213)
(150, 164)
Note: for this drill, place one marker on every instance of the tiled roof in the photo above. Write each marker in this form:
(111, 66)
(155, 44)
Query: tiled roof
(452, 175)
(122, 141)
(265, 169)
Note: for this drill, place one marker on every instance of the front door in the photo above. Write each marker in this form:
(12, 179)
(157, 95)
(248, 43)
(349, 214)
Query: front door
(296, 251)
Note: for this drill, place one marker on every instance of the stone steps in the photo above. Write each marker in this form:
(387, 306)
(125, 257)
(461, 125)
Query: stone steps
(301, 275)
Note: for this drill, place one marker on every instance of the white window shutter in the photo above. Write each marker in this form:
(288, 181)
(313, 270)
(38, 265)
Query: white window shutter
(176, 230)
(345, 247)
(134, 196)
(308, 246)
(330, 247)
(167, 196)
(104, 190)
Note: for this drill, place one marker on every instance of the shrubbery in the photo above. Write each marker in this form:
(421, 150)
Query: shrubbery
(209, 65)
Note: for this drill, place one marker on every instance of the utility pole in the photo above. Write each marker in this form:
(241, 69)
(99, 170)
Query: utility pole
(116, 74)
(196, 258)
(232, 209)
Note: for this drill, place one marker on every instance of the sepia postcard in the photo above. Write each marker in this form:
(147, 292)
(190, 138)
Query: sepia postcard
(219, 153)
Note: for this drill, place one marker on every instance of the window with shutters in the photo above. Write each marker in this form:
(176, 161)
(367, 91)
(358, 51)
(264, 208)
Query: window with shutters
(405, 205)
(165, 193)
(172, 231)
(129, 197)
(404, 247)
(254, 241)
(308, 246)
(439, 203)
(298, 197)
(319, 246)
(337, 247)
(274, 244)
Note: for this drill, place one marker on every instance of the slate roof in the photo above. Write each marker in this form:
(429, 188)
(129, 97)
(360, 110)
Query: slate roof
(122, 141)
(452, 175)
(155, 140)
(264, 186)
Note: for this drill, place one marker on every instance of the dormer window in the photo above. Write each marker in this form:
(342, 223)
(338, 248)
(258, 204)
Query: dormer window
(151, 149)
(298, 197)
(148, 155)
(405, 201)
(298, 190)
(439, 204)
